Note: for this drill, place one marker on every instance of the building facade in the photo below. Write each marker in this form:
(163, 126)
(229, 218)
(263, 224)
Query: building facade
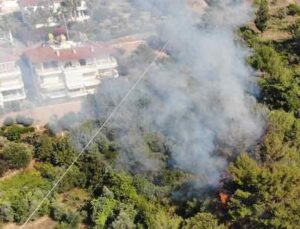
(9, 6)
(11, 82)
(69, 70)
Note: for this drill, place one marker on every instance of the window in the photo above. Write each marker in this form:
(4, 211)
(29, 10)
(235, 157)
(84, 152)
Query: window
(50, 64)
(68, 64)
(82, 62)
(7, 67)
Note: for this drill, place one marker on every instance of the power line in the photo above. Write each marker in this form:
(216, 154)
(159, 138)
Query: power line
(115, 110)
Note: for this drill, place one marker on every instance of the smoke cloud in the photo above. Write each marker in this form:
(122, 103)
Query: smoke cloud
(200, 97)
(197, 98)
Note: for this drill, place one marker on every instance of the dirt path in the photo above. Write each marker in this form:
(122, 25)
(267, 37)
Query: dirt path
(12, 173)
(41, 115)
(41, 223)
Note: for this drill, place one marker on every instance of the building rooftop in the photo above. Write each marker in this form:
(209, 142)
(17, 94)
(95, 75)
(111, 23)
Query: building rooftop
(46, 53)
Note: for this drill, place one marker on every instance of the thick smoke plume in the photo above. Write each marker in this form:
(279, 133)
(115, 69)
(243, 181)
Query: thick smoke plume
(198, 98)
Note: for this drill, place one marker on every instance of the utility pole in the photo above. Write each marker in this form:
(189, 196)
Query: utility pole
(66, 26)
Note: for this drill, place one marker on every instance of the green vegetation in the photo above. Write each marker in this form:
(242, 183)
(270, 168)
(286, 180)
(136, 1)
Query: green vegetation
(20, 194)
(266, 190)
(262, 16)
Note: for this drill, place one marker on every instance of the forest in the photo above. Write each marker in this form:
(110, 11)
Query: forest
(260, 187)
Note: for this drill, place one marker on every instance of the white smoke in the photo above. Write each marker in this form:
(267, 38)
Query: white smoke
(197, 98)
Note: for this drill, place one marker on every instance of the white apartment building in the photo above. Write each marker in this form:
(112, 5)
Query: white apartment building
(11, 82)
(9, 6)
(45, 13)
(70, 70)
(6, 38)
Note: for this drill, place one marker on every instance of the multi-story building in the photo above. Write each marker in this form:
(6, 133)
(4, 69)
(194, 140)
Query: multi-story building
(8, 6)
(11, 82)
(6, 38)
(51, 13)
(80, 14)
(69, 69)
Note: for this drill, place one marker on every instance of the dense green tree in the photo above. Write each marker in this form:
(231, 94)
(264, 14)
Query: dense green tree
(74, 178)
(202, 221)
(94, 168)
(279, 86)
(262, 16)
(14, 132)
(64, 153)
(265, 191)
(57, 150)
(122, 221)
(44, 148)
(16, 155)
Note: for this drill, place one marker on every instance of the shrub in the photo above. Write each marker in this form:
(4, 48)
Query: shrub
(3, 167)
(14, 132)
(17, 155)
(282, 13)
(293, 9)
(20, 194)
(61, 214)
(262, 16)
(23, 120)
(8, 121)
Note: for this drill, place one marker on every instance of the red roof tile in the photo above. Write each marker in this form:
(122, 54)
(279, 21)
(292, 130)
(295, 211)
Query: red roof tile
(47, 53)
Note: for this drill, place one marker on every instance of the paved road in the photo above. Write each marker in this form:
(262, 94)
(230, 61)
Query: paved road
(41, 115)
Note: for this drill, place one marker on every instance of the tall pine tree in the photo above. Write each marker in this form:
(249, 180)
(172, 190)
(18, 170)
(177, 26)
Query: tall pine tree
(262, 16)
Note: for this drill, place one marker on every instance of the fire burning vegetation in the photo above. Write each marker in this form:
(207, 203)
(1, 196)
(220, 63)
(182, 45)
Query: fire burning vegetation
(149, 114)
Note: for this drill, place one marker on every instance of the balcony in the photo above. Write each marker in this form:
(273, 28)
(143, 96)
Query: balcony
(14, 97)
(109, 74)
(101, 65)
(11, 85)
(48, 71)
(92, 83)
(83, 69)
(74, 80)
(52, 85)
(55, 94)
(77, 93)
(10, 73)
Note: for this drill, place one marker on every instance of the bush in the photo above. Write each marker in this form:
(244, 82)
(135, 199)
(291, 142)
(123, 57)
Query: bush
(249, 35)
(3, 167)
(58, 151)
(293, 9)
(20, 195)
(16, 155)
(282, 13)
(69, 219)
(14, 132)
(8, 121)
(279, 87)
(25, 121)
